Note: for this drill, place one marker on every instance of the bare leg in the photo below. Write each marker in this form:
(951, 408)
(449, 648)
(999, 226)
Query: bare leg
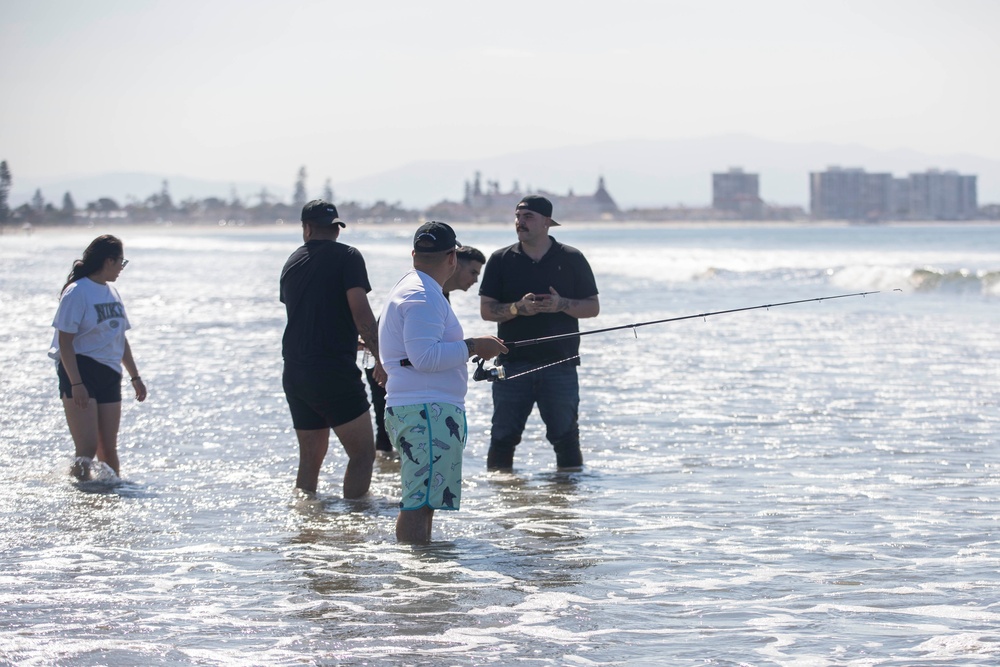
(83, 427)
(312, 450)
(109, 417)
(414, 526)
(359, 443)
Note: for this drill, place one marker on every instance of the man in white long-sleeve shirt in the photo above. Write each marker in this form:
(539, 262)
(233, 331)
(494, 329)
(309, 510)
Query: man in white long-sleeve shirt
(424, 352)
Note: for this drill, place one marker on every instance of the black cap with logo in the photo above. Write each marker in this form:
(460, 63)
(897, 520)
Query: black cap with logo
(435, 237)
(321, 212)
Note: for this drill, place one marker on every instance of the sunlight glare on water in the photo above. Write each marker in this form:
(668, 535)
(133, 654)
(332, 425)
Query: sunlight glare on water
(805, 485)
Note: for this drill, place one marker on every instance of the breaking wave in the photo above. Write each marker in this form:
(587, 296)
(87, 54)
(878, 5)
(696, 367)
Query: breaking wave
(961, 280)
(927, 280)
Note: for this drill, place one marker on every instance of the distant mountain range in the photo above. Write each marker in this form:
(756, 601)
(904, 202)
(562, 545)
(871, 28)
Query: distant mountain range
(638, 173)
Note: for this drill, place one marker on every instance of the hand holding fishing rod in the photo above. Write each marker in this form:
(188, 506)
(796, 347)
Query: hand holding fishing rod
(485, 347)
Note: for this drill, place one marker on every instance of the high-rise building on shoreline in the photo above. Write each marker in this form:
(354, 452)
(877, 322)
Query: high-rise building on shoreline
(936, 195)
(856, 195)
(738, 193)
(849, 194)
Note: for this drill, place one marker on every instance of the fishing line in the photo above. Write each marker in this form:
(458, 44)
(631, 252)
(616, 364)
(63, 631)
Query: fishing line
(497, 373)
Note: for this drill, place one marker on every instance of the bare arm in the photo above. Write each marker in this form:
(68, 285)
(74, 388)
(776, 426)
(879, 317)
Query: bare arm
(67, 355)
(578, 308)
(133, 371)
(367, 326)
(492, 310)
(531, 304)
(364, 319)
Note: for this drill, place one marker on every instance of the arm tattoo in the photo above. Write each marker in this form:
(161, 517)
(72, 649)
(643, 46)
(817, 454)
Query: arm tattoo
(501, 310)
(369, 334)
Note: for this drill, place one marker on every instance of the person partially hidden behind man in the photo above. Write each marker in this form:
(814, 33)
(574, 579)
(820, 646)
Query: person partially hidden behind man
(535, 288)
(324, 287)
(425, 354)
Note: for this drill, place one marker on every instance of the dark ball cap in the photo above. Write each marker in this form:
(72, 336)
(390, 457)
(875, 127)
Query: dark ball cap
(320, 212)
(539, 205)
(435, 237)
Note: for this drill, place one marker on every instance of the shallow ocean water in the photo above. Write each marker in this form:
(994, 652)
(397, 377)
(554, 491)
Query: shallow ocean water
(814, 484)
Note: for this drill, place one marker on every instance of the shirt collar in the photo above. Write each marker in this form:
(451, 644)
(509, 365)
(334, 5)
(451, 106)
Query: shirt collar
(555, 247)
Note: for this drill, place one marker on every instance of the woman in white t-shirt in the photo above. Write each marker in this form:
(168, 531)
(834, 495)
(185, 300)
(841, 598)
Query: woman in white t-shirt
(89, 346)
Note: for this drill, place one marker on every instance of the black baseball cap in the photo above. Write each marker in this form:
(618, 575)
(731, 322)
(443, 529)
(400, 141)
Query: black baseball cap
(539, 205)
(321, 212)
(435, 237)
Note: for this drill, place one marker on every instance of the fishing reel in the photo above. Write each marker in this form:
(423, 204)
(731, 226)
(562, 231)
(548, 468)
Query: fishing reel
(488, 374)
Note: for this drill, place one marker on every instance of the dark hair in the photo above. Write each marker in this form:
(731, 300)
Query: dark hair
(469, 254)
(100, 250)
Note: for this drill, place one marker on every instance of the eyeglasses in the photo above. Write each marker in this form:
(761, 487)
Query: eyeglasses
(124, 262)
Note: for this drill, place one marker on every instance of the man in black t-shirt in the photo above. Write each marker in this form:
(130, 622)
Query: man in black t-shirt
(324, 287)
(535, 288)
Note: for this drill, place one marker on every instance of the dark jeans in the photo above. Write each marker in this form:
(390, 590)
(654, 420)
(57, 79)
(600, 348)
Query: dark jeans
(556, 391)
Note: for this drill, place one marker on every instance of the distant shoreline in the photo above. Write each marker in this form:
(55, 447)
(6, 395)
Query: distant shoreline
(13, 231)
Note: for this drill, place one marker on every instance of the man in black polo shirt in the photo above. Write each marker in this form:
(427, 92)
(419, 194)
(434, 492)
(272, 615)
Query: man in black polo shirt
(537, 287)
(324, 286)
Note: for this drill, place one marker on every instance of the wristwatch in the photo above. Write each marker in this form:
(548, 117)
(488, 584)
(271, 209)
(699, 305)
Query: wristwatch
(513, 308)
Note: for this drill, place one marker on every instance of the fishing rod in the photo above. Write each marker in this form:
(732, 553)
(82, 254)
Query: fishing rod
(497, 373)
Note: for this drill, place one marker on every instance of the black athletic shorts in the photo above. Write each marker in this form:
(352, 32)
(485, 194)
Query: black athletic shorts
(323, 397)
(102, 382)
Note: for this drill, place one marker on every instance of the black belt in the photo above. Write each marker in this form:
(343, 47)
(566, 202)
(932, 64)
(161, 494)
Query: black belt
(405, 362)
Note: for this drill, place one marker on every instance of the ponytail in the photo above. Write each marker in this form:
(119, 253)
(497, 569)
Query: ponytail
(100, 250)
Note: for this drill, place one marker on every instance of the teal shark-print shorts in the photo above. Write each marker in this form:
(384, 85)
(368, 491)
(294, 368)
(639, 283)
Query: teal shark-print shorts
(430, 439)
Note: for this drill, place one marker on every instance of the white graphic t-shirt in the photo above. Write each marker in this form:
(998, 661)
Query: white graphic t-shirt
(96, 315)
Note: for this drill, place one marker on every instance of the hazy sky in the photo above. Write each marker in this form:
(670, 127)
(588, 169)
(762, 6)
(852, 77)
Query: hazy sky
(252, 89)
